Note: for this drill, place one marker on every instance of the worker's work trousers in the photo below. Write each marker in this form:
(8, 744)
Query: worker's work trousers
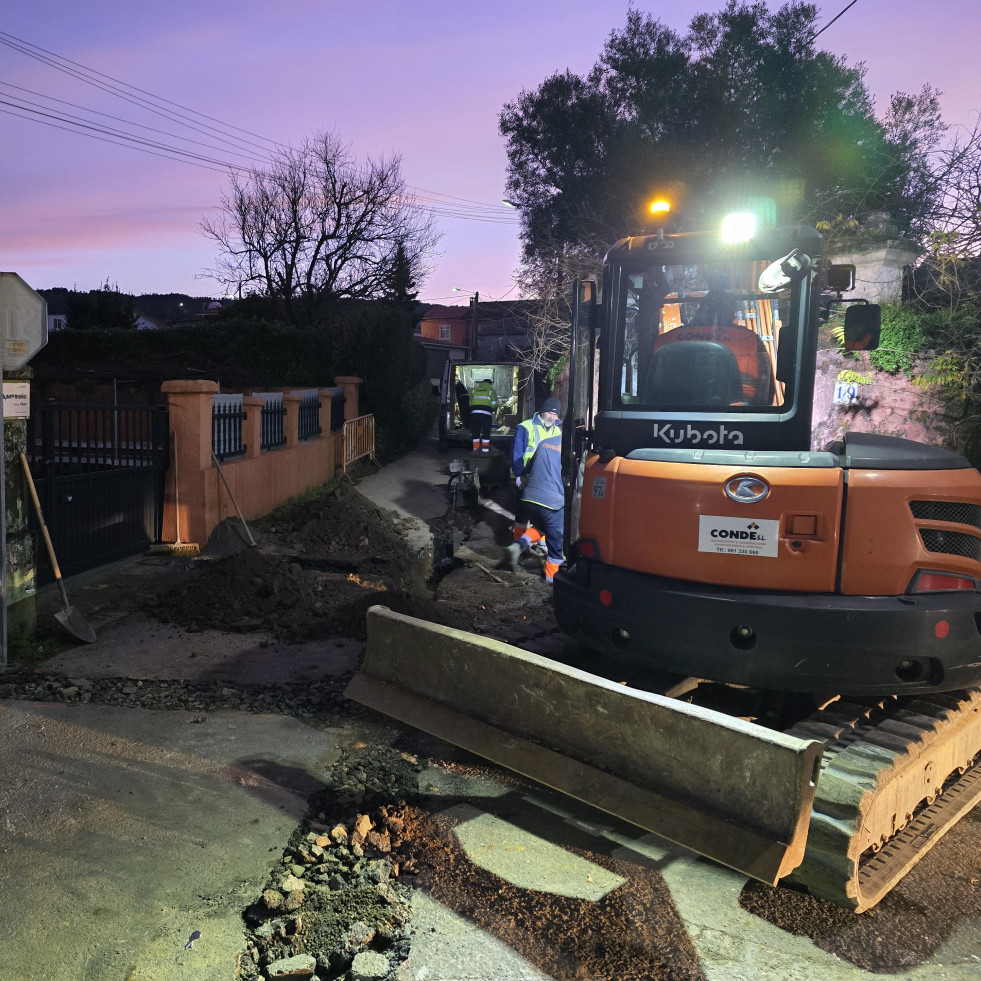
(550, 522)
(480, 424)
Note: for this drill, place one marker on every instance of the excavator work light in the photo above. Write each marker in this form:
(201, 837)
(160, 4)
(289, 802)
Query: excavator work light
(738, 227)
(660, 207)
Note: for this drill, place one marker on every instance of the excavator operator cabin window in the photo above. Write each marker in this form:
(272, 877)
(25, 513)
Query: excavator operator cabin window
(698, 338)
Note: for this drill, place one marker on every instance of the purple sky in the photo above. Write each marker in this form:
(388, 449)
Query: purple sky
(425, 79)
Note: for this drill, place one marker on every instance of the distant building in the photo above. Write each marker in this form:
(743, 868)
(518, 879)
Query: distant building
(146, 322)
(449, 325)
(211, 309)
(57, 302)
(449, 333)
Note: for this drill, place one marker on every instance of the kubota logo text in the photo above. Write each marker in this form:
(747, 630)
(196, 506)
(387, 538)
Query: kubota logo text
(693, 435)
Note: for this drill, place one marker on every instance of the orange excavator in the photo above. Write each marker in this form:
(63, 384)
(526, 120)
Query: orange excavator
(813, 615)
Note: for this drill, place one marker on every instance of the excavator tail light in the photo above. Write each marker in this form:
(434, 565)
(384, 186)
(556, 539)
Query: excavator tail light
(940, 582)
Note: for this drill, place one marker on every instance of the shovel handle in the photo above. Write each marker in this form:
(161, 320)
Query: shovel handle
(44, 527)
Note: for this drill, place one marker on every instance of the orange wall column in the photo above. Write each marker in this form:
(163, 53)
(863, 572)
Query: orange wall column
(189, 408)
(252, 426)
(291, 421)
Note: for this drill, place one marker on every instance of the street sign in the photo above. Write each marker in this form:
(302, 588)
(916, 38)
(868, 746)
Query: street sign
(23, 322)
(16, 400)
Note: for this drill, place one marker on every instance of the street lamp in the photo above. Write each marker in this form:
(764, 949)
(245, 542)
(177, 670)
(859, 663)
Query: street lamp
(472, 339)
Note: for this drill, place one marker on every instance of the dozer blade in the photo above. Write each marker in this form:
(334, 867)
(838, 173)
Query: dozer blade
(728, 789)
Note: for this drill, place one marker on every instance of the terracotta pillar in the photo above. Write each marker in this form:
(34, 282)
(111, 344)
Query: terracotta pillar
(189, 408)
(252, 425)
(291, 421)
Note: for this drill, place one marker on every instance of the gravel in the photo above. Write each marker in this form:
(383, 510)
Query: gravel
(316, 701)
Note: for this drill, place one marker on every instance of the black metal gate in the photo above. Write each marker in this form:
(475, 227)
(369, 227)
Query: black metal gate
(99, 472)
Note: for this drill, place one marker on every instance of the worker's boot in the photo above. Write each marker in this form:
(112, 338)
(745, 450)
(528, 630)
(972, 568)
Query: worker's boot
(514, 552)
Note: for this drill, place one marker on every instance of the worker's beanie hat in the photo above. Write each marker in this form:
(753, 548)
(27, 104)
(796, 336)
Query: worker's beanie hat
(552, 405)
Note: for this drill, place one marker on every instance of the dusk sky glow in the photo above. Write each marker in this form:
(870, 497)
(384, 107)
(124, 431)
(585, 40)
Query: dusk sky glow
(426, 80)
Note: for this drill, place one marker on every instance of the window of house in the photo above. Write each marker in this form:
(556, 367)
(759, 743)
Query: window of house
(444, 332)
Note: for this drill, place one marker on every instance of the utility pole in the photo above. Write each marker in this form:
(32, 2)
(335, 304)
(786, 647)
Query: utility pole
(475, 299)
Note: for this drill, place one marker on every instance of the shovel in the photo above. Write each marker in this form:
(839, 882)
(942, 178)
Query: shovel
(69, 617)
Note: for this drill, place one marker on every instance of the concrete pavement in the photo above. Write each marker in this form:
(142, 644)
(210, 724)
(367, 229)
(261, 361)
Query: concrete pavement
(124, 830)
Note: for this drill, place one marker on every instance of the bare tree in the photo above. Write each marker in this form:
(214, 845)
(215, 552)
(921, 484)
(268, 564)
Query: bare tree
(316, 226)
(549, 278)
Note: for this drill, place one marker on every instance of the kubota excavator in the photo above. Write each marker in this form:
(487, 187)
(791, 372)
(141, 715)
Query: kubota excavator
(814, 614)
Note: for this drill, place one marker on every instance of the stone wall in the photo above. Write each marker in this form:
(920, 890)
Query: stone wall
(889, 405)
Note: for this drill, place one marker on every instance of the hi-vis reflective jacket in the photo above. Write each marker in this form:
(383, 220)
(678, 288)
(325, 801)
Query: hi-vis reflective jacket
(537, 458)
(483, 398)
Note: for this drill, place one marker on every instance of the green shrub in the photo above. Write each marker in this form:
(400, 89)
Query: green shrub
(903, 339)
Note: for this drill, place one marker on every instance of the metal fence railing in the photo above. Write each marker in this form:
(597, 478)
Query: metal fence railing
(76, 438)
(336, 408)
(272, 433)
(308, 418)
(227, 414)
(359, 440)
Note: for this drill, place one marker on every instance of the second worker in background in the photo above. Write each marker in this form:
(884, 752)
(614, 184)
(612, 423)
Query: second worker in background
(537, 465)
(483, 405)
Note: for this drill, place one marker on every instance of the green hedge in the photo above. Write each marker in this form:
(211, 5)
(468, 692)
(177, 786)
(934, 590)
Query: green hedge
(372, 341)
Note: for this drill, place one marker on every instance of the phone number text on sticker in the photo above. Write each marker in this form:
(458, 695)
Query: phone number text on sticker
(738, 536)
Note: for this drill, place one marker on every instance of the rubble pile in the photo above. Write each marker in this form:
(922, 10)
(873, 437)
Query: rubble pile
(335, 903)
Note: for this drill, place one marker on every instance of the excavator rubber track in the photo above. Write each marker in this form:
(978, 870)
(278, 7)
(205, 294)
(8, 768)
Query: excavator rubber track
(896, 774)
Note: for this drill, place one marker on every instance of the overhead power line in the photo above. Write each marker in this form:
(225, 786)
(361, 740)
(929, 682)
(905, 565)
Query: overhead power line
(222, 139)
(42, 111)
(131, 93)
(130, 144)
(833, 19)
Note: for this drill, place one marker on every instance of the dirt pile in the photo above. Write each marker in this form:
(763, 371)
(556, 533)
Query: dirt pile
(317, 568)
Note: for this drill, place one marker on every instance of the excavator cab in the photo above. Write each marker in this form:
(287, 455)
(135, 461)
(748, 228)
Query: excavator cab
(689, 333)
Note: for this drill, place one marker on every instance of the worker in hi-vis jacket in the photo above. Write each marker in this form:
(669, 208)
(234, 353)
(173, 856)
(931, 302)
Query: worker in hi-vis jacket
(537, 466)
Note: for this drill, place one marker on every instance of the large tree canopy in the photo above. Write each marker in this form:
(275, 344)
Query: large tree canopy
(316, 227)
(740, 106)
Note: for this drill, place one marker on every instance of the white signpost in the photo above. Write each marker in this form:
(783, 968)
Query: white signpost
(23, 332)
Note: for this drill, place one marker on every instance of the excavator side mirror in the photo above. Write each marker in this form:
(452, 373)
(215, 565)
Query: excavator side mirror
(863, 325)
(841, 278)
